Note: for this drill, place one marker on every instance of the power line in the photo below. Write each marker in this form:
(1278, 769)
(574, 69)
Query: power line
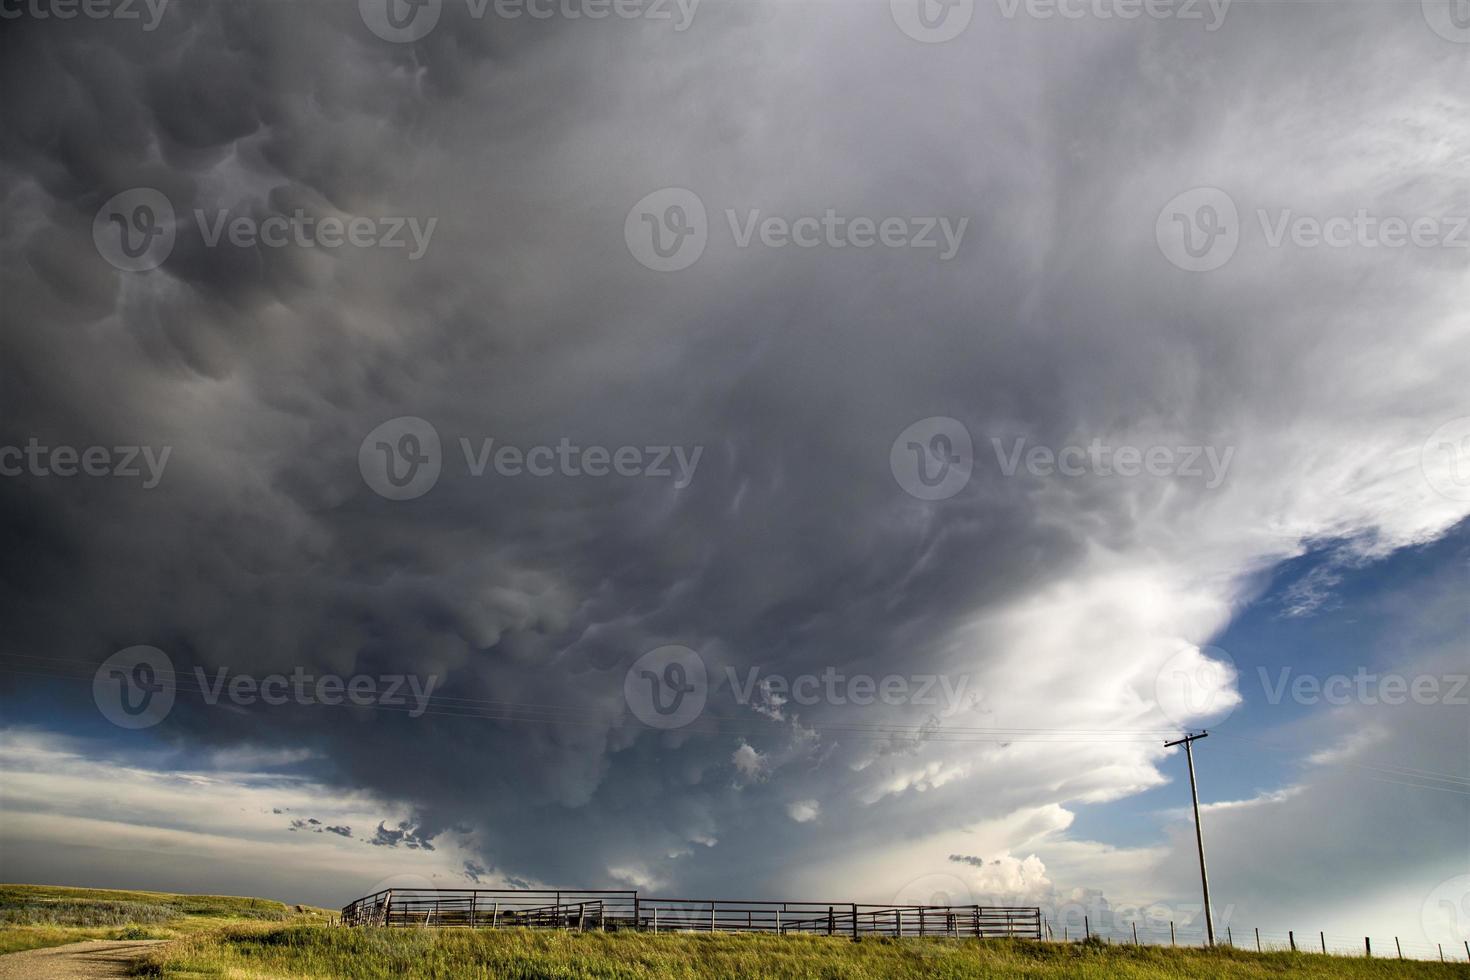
(516, 712)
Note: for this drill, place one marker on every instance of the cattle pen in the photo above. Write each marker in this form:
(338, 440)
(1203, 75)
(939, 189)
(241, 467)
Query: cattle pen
(604, 910)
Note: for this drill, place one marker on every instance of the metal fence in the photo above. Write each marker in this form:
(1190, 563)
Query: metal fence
(838, 918)
(613, 910)
(494, 908)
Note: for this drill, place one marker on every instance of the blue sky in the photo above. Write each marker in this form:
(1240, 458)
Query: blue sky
(1363, 620)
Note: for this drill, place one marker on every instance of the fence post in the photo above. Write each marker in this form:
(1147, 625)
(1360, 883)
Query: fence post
(1323, 937)
(832, 921)
(921, 921)
(1258, 939)
(1171, 932)
(854, 921)
(1291, 938)
(1229, 938)
(898, 922)
(1398, 947)
(637, 913)
(1441, 951)
(711, 915)
(778, 922)
(655, 920)
(495, 917)
(474, 898)
(1135, 933)
(977, 921)
(1368, 946)
(1087, 927)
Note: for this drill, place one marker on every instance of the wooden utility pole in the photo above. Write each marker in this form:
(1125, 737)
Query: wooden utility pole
(1199, 836)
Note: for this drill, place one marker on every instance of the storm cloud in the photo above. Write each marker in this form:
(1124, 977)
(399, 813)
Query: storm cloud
(1311, 376)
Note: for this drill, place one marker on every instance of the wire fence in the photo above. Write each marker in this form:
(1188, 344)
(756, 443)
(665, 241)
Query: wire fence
(1264, 941)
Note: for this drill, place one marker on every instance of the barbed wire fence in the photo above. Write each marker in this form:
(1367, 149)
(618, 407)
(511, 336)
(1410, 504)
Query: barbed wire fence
(1256, 939)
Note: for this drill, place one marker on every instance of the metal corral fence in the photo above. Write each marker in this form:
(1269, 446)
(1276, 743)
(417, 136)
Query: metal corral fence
(493, 908)
(612, 910)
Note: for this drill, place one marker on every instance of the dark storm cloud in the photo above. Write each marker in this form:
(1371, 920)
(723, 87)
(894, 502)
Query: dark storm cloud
(970, 859)
(316, 826)
(528, 321)
(405, 834)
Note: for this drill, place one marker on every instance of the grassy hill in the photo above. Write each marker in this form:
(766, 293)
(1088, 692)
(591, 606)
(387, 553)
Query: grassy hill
(32, 916)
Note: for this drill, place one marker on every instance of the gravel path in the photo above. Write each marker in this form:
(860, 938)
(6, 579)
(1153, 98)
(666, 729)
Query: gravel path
(96, 958)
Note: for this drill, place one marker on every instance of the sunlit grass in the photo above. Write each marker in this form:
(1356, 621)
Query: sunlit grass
(35, 916)
(260, 952)
(256, 939)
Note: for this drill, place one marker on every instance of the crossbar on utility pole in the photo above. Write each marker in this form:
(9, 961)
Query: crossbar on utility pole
(1199, 836)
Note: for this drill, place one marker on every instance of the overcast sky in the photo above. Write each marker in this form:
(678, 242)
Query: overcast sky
(1035, 387)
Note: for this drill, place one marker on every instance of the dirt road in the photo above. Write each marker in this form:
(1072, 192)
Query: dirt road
(91, 960)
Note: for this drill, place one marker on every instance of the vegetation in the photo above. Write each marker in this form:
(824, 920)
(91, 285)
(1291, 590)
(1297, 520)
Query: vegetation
(255, 939)
(260, 952)
(32, 916)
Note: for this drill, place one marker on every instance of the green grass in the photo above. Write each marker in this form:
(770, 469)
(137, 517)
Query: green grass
(279, 952)
(227, 938)
(33, 916)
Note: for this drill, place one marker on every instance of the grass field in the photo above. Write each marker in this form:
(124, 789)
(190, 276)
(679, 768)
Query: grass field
(258, 939)
(32, 916)
(262, 952)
